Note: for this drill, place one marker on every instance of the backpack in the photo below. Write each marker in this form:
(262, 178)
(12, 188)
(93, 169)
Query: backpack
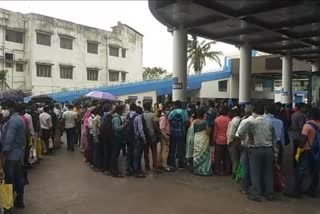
(131, 127)
(145, 129)
(106, 130)
(315, 147)
(177, 125)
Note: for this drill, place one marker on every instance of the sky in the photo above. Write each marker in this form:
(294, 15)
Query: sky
(157, 41)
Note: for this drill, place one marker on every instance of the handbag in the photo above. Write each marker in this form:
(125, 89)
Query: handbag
(6, 195)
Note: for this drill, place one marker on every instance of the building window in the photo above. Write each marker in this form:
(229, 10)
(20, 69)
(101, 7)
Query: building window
(114, 51)
(259, 87)
(66, 72)
(92, 74)
(124, 53)
(8, 56)
(43, 39)
(66, 43)
(92, 47)
(14, 36)
(43, 70)
(123, 76)
(114, 76)
(19, 67)
(8, 65)
(223, 86)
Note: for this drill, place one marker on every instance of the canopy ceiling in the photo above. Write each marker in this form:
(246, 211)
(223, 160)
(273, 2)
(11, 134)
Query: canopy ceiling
(271, 26)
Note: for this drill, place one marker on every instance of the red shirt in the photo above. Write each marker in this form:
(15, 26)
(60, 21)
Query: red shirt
(220, 129)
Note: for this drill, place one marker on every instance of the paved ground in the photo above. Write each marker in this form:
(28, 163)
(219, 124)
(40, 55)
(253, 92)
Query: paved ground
(63, 184)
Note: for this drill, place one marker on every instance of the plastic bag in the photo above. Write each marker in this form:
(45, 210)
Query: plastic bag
(6, 195)
(239, 172)
(278, 179)
(51, 146)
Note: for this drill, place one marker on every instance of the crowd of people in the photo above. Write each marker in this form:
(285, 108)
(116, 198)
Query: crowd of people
(244, 142)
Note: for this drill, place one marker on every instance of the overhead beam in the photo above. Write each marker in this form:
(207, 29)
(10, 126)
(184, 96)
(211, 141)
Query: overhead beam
(221, 9)
(205, 21)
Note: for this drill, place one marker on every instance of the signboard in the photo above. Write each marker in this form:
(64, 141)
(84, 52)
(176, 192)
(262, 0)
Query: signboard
(176, 84)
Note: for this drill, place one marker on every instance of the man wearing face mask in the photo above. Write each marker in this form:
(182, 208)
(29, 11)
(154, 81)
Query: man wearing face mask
(13, 145)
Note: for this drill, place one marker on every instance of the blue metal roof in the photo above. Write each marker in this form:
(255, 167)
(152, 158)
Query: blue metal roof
(162, 87)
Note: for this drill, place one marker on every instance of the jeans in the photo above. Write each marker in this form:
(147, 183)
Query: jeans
(235, 151)
(261, 169)
(116, 148)
(71, 138)
(137, 155)
(14, 174)
(129, 163)
(46, 134)
(97, 155)
(177, 150)
(152, 144)
(106, 157)
(245, 179)
(305, 164)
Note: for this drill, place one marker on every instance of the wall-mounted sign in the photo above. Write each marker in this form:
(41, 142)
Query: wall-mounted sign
(176, 85)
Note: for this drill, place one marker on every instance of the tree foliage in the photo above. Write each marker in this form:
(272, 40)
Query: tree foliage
(153, 73)
(199, 52)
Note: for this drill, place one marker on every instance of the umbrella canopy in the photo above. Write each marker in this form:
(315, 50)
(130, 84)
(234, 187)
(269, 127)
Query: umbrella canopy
(12, 94)
(101, 95)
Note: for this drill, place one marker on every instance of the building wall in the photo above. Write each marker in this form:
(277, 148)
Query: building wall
(210, 89)
(258, 65)
(141, 96)
(32, 53)
(126, 38)
(14, 21)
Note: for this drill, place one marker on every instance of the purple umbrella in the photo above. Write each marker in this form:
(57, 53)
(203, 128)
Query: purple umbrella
(101, 95)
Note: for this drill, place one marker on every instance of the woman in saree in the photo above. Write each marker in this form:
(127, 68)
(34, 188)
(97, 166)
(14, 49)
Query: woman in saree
(87, 150)
(201, 146)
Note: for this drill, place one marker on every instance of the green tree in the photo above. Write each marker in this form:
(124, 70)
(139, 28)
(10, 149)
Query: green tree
(3, 79)
(199, 52)
(153, 73)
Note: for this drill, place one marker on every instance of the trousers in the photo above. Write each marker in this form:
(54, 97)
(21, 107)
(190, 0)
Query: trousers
(261, 171)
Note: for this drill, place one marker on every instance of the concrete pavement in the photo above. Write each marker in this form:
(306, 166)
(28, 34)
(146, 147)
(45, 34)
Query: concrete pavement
(63, 184)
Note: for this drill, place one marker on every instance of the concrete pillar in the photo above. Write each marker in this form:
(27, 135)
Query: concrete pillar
(286, 94)
(316, 65)
(179, 85)
(245, 74)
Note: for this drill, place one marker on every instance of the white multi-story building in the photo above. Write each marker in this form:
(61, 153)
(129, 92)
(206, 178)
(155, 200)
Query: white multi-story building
(42, 54)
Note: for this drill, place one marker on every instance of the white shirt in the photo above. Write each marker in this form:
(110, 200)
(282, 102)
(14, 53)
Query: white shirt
(242, 123)
(90, 124)
(45, 120)
(70, 118)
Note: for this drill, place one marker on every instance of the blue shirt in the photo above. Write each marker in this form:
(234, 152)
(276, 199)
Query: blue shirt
(138, 128)
(278, 127)
(14, 138)
(182, 112)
